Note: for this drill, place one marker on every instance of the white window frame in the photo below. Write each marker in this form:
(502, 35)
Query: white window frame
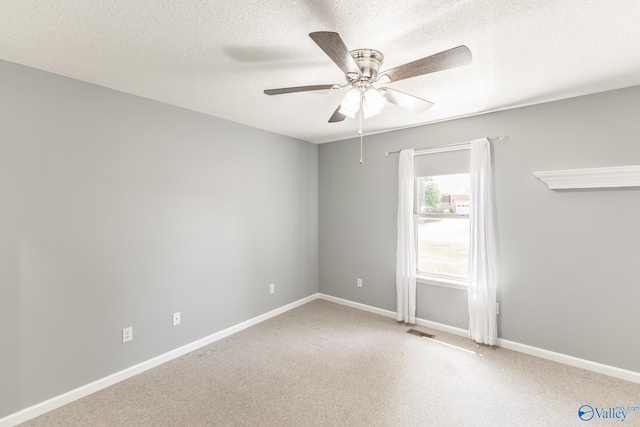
(447, 282)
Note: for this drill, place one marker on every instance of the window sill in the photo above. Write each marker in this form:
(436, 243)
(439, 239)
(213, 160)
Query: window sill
(441, 281)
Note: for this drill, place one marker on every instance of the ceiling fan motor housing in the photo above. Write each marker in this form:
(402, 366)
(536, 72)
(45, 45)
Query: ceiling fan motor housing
(369, 62)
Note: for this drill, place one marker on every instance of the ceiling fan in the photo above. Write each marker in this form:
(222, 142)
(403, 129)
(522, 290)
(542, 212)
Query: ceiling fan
(361, 68)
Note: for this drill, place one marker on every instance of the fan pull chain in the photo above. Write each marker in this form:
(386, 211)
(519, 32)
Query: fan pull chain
(360, 126)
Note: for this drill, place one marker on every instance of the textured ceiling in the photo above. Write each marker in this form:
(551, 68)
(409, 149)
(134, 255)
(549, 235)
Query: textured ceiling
(216, 57)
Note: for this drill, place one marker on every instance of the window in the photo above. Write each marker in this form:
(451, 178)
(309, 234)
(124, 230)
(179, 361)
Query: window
(442, 228)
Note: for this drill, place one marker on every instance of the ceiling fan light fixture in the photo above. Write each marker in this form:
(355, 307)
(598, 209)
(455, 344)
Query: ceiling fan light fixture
(374, 99)
(350, 103)
(373, 103)
(369, 112)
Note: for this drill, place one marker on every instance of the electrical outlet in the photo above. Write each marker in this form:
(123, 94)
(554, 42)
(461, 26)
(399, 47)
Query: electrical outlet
(176, 319)
(272, 288)
(127, 334)
(359, 282)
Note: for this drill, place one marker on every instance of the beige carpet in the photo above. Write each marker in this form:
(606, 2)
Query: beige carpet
(324, 364)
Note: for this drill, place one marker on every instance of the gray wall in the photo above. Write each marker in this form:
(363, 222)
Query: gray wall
(568, 263)
(117, 211)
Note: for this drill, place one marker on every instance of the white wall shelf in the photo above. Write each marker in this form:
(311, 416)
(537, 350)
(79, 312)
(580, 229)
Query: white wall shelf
(611, 177)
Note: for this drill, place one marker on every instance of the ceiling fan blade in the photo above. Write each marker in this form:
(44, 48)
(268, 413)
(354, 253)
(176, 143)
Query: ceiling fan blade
(333, 46)
(283, 90)
(406, 101)
(337, 116)
(444, 60)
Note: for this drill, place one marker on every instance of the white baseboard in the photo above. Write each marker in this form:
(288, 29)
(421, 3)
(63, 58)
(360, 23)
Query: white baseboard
(388, 313)
(363, 307)
(68, 397)
(588, 365)
(63, 399)
(576, 362)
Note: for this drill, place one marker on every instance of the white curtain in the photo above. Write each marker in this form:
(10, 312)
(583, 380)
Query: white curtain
(406, 250)
(482, 248)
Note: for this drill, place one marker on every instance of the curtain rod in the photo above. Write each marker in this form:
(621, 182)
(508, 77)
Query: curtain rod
(450, 147)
